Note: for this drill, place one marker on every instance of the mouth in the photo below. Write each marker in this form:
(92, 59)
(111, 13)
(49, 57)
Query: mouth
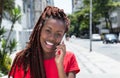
(49, 44)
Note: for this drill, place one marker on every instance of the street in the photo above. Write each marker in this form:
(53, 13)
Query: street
(110, 50)
(100, 63)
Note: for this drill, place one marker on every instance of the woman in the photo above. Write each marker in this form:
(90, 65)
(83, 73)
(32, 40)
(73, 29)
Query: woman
(45, 55)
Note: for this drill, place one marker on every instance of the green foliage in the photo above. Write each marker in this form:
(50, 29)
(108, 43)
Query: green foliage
(5, 64)
(3, 43)
(116, 4)
(15, 14)
(84, 25)
(5, 60)
(8, 5)
(2, 31)
(73, 19)
(12, 45)
(5, 51)
(100, 9)
(80, 21)
(7, 45)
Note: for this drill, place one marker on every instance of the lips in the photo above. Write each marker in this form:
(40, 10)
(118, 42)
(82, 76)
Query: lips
(49, 44)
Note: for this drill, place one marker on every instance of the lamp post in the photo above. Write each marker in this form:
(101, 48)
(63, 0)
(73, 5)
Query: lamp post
(90, 25)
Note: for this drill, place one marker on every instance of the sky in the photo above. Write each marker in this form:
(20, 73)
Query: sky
(66, 5)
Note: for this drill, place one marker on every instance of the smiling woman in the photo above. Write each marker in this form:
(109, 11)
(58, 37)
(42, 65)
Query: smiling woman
(44, 56)
(51, 35)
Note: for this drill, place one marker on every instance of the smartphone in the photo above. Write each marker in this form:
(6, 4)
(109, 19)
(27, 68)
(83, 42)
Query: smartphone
(62, 41)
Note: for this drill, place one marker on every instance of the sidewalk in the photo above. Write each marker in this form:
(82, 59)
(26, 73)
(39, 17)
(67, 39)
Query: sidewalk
(94, 64)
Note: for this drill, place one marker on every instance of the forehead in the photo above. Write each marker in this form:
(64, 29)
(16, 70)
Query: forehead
(55, 23)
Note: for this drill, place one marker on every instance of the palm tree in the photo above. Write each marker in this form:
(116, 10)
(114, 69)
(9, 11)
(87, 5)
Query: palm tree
(5, 6)
(6, 49)
(8, 11)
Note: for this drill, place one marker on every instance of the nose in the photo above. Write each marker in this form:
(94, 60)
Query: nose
(52, 37)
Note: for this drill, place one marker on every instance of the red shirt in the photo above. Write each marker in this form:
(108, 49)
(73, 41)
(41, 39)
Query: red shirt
(50, 68)
(70, 64)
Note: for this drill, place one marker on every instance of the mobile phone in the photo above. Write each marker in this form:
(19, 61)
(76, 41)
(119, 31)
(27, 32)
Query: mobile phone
(61, 42)
(63, 38)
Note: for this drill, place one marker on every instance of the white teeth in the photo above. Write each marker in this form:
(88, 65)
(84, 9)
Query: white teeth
(49, 43)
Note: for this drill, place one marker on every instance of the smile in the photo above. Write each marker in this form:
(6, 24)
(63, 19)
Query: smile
(49, 44)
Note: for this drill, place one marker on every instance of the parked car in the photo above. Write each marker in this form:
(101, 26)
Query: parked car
(96, 37)
(73, 36)
(110, 38)
(119, 38)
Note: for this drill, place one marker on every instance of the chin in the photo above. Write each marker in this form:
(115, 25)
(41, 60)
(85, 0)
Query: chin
(50, 51)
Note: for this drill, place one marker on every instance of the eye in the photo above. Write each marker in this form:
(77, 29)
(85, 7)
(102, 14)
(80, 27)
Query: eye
(47, 31)
(58, 35)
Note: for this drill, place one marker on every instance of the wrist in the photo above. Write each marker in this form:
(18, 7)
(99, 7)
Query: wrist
(59, 64)
(61, 72)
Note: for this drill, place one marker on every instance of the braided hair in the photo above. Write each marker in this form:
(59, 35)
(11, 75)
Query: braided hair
(32, 56)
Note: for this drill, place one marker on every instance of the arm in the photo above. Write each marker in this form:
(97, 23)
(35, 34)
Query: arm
(61, 72)
(61, 50)
(71, 75)
(71, 65)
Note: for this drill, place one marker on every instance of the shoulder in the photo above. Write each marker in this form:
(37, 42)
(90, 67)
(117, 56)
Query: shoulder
(16, 61)
(69, 54)
(70, 63)
(17, 57)
(17, 66)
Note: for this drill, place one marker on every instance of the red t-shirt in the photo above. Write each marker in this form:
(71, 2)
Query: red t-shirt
(70, 64)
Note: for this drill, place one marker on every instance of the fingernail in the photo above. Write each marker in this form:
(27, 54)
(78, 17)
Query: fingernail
(58, 52)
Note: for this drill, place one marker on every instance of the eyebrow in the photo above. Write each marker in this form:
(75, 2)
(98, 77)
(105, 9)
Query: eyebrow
(48, 26)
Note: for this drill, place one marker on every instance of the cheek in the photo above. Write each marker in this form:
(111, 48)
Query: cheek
(42, 36)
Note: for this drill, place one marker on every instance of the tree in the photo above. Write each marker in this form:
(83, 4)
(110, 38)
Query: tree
(5, 7)
(7, 46)
(74, 25)
(102, 8)
(80, 21)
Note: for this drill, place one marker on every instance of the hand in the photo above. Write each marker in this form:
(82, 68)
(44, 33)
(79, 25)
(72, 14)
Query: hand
(59, 55)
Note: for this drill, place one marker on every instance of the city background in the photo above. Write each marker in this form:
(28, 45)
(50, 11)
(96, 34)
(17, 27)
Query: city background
(97, 56)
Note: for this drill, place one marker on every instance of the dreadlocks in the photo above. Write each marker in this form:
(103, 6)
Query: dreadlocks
(32, 56)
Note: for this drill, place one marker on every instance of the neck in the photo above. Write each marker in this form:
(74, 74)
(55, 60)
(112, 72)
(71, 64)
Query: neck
(49, 55)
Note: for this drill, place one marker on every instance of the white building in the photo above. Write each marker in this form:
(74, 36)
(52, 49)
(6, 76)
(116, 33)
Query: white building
(115, 19)
(76, 5)
(30, 10)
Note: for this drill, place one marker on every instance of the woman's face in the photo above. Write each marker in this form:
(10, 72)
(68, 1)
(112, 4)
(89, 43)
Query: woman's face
(51, 34)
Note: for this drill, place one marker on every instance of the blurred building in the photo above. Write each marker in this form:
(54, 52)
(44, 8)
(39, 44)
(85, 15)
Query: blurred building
(76, 5)
(115, 19)
(31, 11)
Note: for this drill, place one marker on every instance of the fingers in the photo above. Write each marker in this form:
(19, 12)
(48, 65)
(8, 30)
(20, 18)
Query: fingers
(61, 46)
(60, 54)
